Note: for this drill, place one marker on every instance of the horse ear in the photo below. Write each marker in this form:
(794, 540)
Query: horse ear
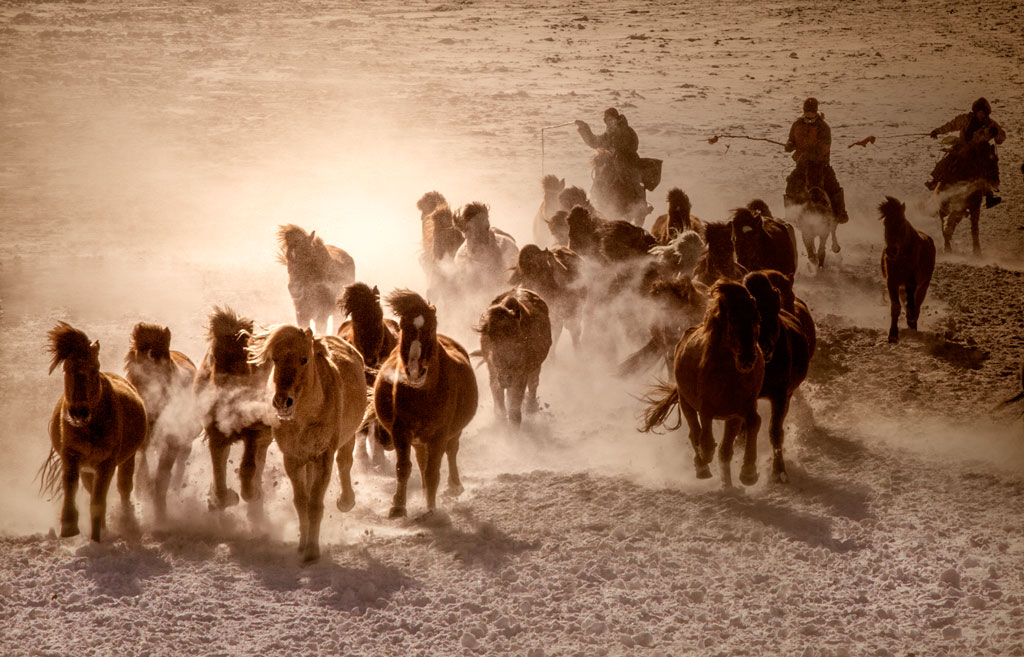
(561, 183)
(376, 293)
(309, 333)
(167, 334)
(94, 348)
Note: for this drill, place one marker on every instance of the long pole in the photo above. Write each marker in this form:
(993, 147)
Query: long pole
(548, 127)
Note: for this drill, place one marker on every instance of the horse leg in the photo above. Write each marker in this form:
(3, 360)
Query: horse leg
(532, 383)
(748, 473)
(251, 473)
(575, 326)
(318, 478)
(516, 393)
(183, 452)
(431, 468)
(732, 429)
(913, 306)
(403, 468)
(835, 242)
(68, 512)
(297, 473)
(776, 434)
(497, 393)
(894, 308)
(98, 499)
(142, 469)
(346, 456)
(821, 250)
(693, 424)
(168, 455)
(706, 443)
(220, 447)
(953, 218)
(975, 212)
(808, 239)
(454, 481)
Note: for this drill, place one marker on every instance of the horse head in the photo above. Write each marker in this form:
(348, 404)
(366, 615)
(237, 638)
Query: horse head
(228, 337)
(582, 238)
(769, 303)
(553, 186)
(570, 197)
(748, 234)
(293, 351)
(679, 209)
(148, 365)
(894, 219)
(733, 315)
(720, 246)
(82, 388)
(430, 202)
(417, 321)
(363, 304)
(784, 284)
(474, 223)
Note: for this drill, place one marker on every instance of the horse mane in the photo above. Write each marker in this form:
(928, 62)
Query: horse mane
(430, 202)
(745, 217)
(570, 197)
(682, 252)
(718, 234)
(766, 296)
(528, 263)
(469, 212)
(225, 323)
(360, 299)
(406, 303)
(291, 237)
(723, 294)
(263, 344)
(501, 318)
(760, 208)
(67, 341)
(892, 210)
(551, 182)
(679, 202)
(151, 338)
(784, 284)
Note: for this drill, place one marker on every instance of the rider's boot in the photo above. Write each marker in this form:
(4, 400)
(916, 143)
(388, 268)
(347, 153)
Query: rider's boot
(992, 199)
(839, 207)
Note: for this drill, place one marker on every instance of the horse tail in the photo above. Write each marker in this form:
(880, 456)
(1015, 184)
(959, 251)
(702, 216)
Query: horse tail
(639, 360)
(49, 475)
(478, 353)
(370, 421)
(659, 408)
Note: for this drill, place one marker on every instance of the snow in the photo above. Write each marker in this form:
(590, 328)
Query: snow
(150, 151)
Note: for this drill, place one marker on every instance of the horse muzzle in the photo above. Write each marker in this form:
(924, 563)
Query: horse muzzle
(77, 416)
(744, 366)
(284, 406)
(416, 376)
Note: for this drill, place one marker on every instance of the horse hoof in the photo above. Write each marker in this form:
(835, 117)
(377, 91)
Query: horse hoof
(346, 502)
(912, 324)
(454, 491)
(781, 477)
(310, 555)
(748, 477)
(396, 512)
(68, 530)
(894, 339)
(836, 248)
(219, 503)
(703, 472)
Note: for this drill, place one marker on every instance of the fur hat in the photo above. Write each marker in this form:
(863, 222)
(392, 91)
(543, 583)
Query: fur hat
(611, 111)
(811, 105)
(981, 104)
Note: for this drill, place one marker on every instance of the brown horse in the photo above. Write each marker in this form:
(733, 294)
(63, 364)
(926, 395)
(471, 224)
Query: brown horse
(319, 400)
(795, 306)
(719, 370)
(956, 201)
(374, 337)
(680, 256)
(555, 274)
(163, 379)
(677, 220)
(515, 338)
(425, 395)
(763, 242)
(679, 303)
(787, 354)
(719, 258)
(440, 239)
(481, 262)
(907, 264)
(231, 397)
(316, 273)
(816, 221)
(97, 426)
(552, 186)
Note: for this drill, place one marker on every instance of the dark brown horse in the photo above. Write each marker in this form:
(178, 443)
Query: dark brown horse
(719, 258)
(907, 264)
(552, 186)
(97, 426)
(555, 274)
(763, 242)
(677, 220)
(425, 395)
(319, 400)
(231, 397)
(515, 338)
(794, 305)
(787, 353)
(163, 378)
(719, 370)
(374, 337)
(316, 274)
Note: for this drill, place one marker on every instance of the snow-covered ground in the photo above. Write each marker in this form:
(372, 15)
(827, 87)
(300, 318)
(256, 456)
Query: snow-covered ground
(150, 151)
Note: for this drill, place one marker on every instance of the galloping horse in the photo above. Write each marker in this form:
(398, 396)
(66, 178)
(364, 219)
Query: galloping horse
(555, 274)
(679, 303)
(552, 187)
(515, 338)
(719, 369)
(319, 400)
(956, 201)
(811, 211)
(163, 379)
(97, 426)
(425, 395)
(677, 220)
(440, 239)
(231, 397)
(787, 353)
(907, 264)
(316, 273)
(719, 259)
(763, 242)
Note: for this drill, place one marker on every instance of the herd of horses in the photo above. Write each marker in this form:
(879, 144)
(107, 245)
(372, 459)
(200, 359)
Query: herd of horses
(711, 302)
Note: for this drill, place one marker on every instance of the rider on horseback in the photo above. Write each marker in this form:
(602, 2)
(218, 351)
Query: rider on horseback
(618, 187)
(971, 157)
(810, 141)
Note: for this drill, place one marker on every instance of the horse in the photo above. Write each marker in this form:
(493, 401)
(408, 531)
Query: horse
(795, 306)
(719, 258)
(677, 220)
(319, 400)
(515, 338)
(787, 353)
(316, 273)
(97, 426)
(956, 201)
(813, 215)
(425, 395)
(440, 239)
(718, 371)
(552, 186)
(230, 393)
(680, 256)
(487, 252)
(371, 334)
(163, 378)
(555, 274)
(763, 242)
(679, 303)
(907, 264)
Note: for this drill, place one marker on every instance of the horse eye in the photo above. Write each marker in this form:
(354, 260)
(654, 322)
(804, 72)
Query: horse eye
(304, 361)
